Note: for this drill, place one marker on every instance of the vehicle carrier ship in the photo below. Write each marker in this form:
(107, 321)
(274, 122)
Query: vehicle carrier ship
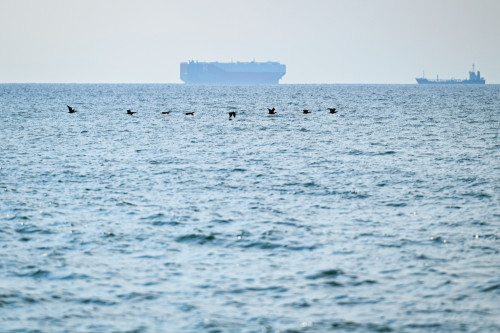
(474, 78)
(195, 72)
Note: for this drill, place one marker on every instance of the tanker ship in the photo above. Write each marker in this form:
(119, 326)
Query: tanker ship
(195, 72)
(474, 78)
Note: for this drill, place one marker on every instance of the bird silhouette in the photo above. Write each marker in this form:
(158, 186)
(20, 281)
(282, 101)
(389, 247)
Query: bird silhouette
(165, 112)
(189, 113)
(271, 111)
(332, 110)
(130, 112)
(306, 111)
(232, 114)
(70, 109)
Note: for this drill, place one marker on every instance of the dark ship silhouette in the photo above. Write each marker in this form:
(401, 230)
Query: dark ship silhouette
(474, 78)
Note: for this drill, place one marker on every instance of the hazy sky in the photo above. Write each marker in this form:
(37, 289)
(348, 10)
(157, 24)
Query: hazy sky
(320, 41)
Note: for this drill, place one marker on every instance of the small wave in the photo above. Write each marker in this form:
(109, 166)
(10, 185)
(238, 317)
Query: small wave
(490, 236)
(438, 239)
(299, 305)
(350, 326)
(390, 245)
(17, 217)
(488, 249)
(36, 274)
(196, 238)
(371, 153)
(76, 276)
(15, 297)
(424, 326)
(159, 219)
(135, 296)
(162, 223)
(479, 195)
(278, 289)
(222, 221)
(355, 152)
(349, 194)
(389, 152)
(326, 274)
(334, 284)
(31, 229)
(491, 288)
(262, 245)
(125, 203)
(96, 301)
(361, 300)
(5, 300)
(396, 204)
(360, 283)
(345, 325)
(172, 264)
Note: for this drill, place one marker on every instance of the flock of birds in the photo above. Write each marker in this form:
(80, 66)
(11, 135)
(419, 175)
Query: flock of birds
(273, 111)
(232, 114)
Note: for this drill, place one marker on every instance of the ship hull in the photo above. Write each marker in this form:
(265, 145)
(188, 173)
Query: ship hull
(426, 81)
(231, 73)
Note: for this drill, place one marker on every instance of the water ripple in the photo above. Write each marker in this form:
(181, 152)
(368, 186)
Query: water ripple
(382, 218)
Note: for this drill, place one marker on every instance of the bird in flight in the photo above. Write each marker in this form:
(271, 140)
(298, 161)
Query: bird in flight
(70, 109)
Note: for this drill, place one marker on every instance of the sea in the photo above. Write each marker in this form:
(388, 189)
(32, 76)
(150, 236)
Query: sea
(382, 217)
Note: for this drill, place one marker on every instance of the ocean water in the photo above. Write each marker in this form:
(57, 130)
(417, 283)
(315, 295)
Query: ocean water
(384, 217)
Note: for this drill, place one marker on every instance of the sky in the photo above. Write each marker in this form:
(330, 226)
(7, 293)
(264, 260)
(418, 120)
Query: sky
(320, 41)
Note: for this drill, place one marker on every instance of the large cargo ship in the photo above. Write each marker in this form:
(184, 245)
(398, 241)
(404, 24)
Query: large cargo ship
(232, 72)
(474, 78)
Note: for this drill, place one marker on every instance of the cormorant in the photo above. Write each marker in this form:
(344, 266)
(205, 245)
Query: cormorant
(271, 111)
(70, 109)
(306, 111)
(332, 110)
(189, 113)
(130, 112)
(165, 112)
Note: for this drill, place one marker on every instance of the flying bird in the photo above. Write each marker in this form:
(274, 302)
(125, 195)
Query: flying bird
(232, 114)
(271, 111)
(70, 109)
(306, 111)
(189, 113)
(165, 112)
(130, 112)
(332, 110)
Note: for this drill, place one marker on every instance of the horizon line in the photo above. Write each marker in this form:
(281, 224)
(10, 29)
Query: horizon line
(189, 84)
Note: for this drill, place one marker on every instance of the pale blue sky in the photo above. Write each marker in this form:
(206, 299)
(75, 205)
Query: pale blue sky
(320, 41)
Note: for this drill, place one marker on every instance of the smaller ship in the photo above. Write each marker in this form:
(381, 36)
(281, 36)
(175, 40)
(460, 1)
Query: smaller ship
(474, 78)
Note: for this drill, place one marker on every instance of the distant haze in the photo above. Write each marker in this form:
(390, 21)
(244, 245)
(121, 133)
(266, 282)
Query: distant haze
(320, 41)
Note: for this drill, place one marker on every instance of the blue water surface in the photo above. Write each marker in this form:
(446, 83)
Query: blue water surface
(384, 217)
